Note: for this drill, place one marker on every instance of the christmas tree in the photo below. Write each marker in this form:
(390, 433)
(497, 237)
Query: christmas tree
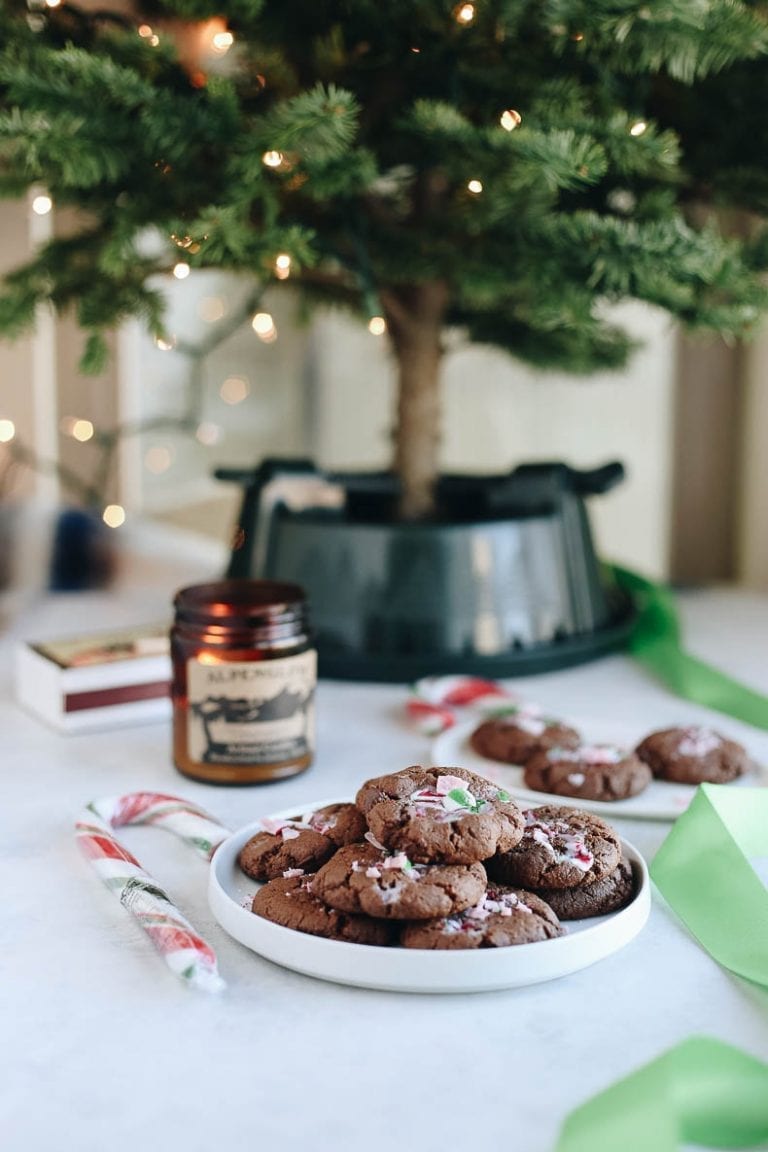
(507, 167)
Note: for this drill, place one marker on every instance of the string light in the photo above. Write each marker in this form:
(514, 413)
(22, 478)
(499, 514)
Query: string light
(158, 459)
(145, 31)
(113, 515)
(510, 119)
(7, 431)
(282, 266)
(377, 325)
(272, 159)
(181, 270)
(222, 42)
(211, 309)
(264, 327)
(42, 205)
(81, 430)
(638, 128)
(234, 389)
(165, 345)
(464, 13)
(475, 187)
(207, 433)
(52, 3)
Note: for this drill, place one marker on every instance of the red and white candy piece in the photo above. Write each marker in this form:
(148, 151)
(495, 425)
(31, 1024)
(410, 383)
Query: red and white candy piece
(184, 951)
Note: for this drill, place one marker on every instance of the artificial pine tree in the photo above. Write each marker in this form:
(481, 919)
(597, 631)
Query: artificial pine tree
(509, 167)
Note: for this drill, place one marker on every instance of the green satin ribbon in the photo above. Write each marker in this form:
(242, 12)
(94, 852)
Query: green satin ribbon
(701, 1091)
(656, 641)
(703, 872)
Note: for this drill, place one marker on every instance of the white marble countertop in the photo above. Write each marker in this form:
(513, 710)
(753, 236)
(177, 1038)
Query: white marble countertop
(103, 1048)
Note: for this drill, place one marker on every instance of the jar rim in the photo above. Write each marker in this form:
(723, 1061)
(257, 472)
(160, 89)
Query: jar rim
(240, 598)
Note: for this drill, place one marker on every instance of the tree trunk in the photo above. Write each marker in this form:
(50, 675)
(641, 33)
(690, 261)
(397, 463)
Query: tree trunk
(415, 318)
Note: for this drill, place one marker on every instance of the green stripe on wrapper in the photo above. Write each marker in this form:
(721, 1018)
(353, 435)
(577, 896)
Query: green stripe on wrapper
(656, 641)
(701, 1092)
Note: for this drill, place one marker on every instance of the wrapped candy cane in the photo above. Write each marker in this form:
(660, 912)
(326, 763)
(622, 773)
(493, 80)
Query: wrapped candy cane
(184, 951)
(434, 700)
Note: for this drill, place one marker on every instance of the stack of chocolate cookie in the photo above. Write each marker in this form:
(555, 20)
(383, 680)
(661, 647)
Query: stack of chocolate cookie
(409, 863)
(555, 759)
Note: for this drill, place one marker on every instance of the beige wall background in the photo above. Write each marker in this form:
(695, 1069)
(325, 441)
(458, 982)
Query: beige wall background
(689, 421)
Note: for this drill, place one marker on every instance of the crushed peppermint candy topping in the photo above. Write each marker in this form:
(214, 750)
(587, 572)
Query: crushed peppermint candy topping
(530, 724)
(587, 754)
(369, 836)
(289, 872)
(496, 903)
(447, 800)
(288, 829)
(398, 862)
(566, 846)
(698, 741)
(445, 784)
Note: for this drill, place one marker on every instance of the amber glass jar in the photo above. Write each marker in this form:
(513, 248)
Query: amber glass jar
(244, 675)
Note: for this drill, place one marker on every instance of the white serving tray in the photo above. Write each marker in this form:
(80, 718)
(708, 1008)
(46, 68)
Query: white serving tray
(661, 800)
(230, 893)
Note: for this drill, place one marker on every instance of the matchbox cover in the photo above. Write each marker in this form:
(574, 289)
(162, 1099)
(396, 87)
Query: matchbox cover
(100, 680)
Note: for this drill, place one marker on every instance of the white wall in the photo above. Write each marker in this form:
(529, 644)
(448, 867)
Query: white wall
(499, 414)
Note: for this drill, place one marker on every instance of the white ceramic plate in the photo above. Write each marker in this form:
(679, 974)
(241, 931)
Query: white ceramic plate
(230, 894)
(659, 801)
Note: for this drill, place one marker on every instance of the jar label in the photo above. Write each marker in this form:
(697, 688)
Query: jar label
(252, 712)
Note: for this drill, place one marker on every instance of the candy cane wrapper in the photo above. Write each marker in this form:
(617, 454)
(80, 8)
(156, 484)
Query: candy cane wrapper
(184, 951)
(435, 699)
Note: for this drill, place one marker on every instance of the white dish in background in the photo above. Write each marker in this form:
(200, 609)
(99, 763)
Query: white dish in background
(659, 801)
(230, 893)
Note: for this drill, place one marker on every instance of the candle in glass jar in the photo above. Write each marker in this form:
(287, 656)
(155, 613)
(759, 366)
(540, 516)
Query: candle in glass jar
(244, 676)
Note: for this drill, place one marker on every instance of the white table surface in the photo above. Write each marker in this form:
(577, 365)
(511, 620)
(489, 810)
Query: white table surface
(102, 1048)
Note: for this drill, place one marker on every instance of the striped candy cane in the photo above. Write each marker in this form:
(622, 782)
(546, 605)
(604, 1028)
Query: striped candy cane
(185, 953)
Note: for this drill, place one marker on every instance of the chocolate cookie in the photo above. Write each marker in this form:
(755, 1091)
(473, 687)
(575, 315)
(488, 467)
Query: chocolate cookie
(363, 878)
(693, 755)
(561, 847)
(289, 901)
(513, 736)
(440, 815)
(588, 771)
(607, 895)
(303, 842)
(506, 916)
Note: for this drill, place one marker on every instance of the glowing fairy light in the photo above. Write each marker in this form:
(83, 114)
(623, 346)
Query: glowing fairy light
(377, 325)
(42, 205)
(165, 344)
(82, 430)
(464, 13)
(234, 389)
(510, 119)
(211, 309)
(221, 42)
(475, 187)
(158, 459)
(264, 327)
(7, 431)
(282, 266)
(113, 515)
(638, 128)
(272, 159)
(207, 433)
(181, 270)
